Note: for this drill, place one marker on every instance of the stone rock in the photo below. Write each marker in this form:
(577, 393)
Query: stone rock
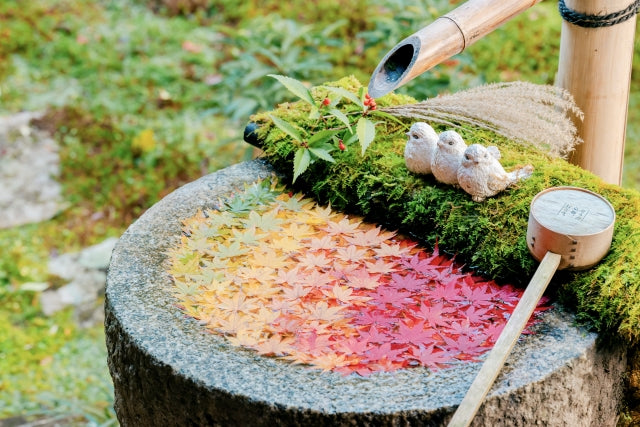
(86, 273)
(168, 371)
(29, 164)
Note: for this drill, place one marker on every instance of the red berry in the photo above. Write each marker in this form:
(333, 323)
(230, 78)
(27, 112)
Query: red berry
(367, 102)
(341, 146)
(326, 101)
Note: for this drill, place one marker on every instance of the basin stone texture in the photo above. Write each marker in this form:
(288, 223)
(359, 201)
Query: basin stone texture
(168, 371)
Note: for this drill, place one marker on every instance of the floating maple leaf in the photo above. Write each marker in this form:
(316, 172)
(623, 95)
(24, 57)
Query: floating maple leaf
(434, 314)
(409, 282)
(417, 334)
(275, 345)
(431, 357)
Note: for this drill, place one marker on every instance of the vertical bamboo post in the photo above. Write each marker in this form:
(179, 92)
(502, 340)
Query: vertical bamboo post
(595, 66)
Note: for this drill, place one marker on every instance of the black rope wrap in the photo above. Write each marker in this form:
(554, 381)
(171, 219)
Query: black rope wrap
(595, 21)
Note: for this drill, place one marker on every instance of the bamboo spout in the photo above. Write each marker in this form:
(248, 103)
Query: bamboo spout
(446, 36)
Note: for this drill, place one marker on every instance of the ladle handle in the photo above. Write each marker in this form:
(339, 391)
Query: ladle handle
(503, 346)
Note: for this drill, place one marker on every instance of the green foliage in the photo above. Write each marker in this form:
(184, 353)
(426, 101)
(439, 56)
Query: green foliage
(490, 236)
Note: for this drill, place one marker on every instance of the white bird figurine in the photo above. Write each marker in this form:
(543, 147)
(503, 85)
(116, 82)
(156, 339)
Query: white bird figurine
(481, 174)
(420, 147)
(447, 157)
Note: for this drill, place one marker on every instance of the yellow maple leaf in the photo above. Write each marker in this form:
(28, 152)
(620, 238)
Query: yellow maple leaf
(268, 257)
(286, 244)
(322, 311)
(330, 360)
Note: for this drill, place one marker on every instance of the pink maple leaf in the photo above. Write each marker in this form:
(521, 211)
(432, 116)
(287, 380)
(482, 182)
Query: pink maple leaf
(468, 345)
(416, 334)
(449, 291)
(374, 317)
(433, 314)
(431, 357)
(388, 295)
(476, 315)
(475, 294)
(374, 336)
(461, 328)
(353, 345)
(377, 353)
(409, 282)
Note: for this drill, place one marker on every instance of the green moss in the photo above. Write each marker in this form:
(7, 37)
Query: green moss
(490, 236)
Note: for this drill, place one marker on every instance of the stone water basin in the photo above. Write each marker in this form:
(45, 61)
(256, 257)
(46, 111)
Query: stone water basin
(167, 370)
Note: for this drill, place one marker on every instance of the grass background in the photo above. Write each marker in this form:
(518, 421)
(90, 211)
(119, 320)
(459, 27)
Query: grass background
(145, 96)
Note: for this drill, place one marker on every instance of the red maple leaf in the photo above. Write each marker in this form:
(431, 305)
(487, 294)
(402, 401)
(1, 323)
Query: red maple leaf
(476, 315)
(416, 334)
(420, 264)
(468, 346)
(449, 291)
(377, 353)
(433, 314)
(409, 282)
(478, 293)
(388, 295)
(353, 345)
(431, 357)
(369, 316)
(374, 336)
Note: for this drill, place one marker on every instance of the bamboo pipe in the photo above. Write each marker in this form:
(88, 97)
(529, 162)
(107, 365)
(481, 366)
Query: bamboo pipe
(595, 66)
(448, 35)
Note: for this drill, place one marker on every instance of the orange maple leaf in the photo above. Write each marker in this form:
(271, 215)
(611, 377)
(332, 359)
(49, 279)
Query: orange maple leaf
(322, 311)
(276, 345)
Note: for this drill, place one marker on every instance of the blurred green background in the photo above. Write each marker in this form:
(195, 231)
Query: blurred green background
(143, 96)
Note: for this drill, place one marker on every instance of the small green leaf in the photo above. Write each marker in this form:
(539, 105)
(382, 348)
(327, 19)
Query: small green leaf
(314, 114)
(301, 161)
(295, 86)
(366, 131)
(322, 136)
(322, 154)
(340, 116)
(386, 116)
(286, 127)
(349, 136)
(346, 94)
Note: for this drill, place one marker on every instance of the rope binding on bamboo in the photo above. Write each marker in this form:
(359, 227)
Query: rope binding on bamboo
(596, 21)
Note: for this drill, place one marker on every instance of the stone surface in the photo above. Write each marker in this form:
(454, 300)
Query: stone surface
(167, 371)
(29, 164)
(85, 272)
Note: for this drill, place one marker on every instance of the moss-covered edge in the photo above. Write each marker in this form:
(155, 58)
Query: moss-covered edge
(490, 236)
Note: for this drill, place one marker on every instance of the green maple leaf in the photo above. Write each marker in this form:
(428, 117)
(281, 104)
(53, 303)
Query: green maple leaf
(199, 244)
(231, 250)
(248, 236)
(222, 219)
(186, 289)
(265, 222)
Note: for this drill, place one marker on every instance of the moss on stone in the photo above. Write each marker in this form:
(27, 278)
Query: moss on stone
(490, 236)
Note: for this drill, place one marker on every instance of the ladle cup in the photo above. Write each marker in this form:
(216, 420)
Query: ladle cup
(569, 228)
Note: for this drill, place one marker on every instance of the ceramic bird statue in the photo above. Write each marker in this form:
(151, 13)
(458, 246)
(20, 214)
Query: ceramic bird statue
(447, 157)
(420, 147)
(481, 174)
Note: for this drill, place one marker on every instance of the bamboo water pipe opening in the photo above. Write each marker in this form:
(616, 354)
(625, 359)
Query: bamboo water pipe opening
(394, 67)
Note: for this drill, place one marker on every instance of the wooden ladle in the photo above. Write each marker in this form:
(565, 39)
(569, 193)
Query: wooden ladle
(569, 228)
